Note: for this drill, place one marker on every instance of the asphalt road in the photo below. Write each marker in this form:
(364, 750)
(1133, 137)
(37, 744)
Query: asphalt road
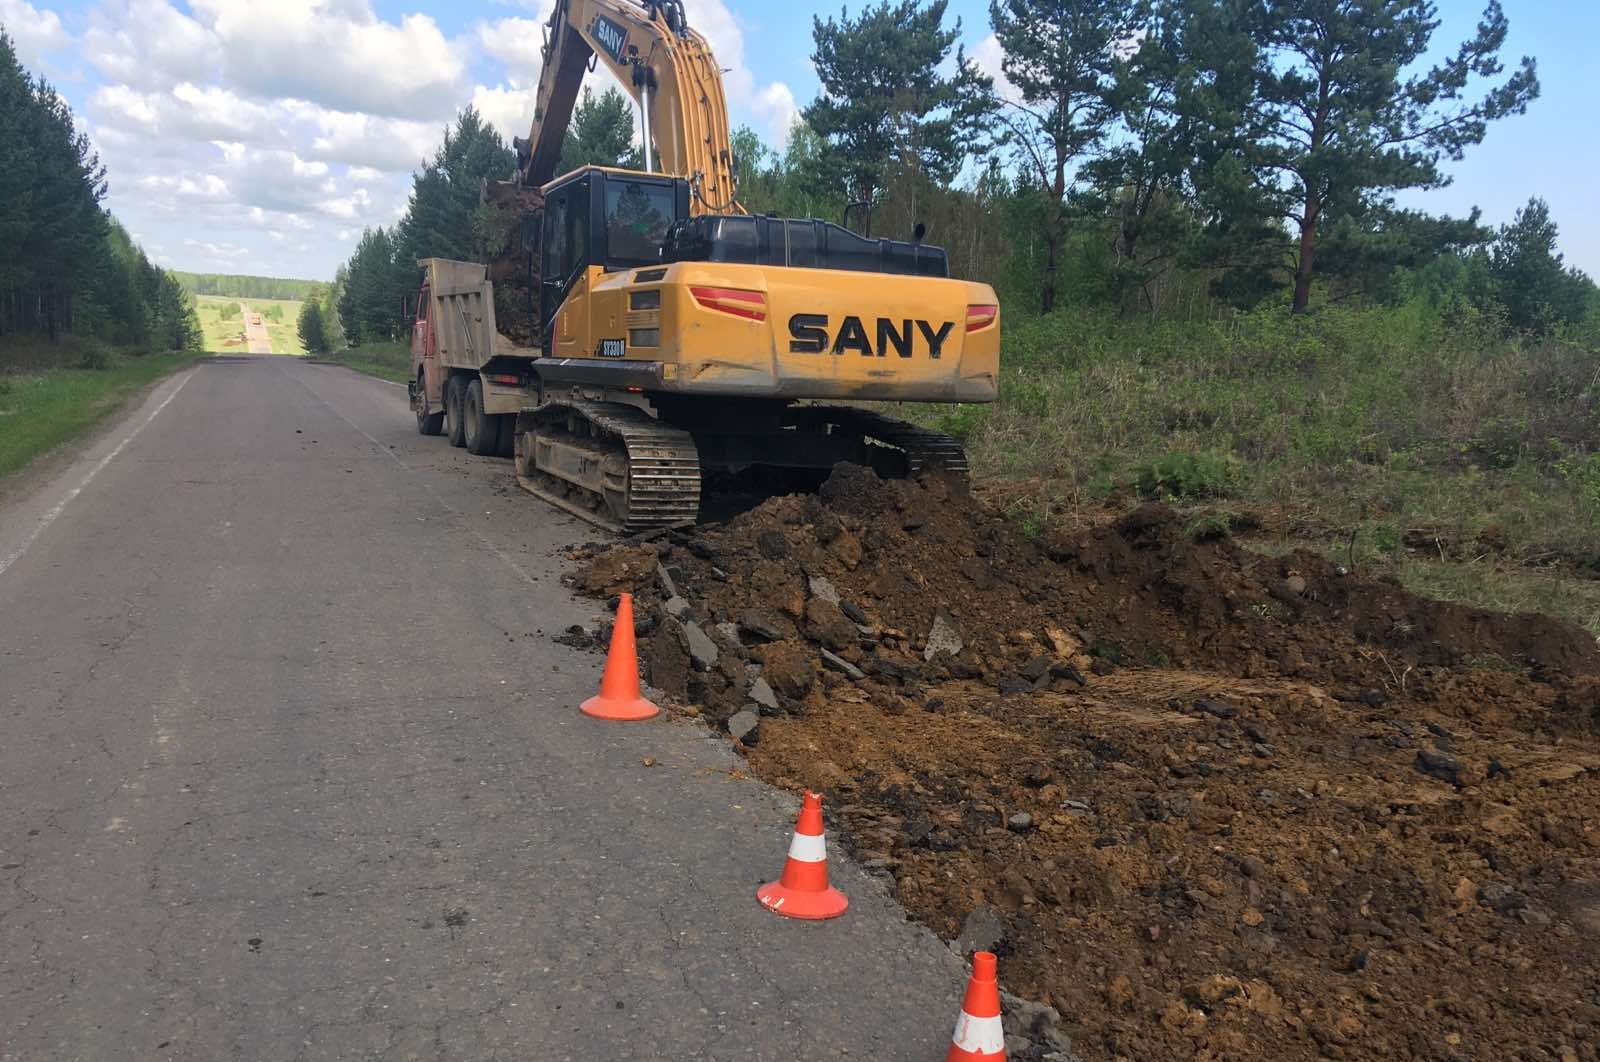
(257, 339)
(290, 768)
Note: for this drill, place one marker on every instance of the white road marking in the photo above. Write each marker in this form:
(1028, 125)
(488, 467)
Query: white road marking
(479, 535)
(50, 517)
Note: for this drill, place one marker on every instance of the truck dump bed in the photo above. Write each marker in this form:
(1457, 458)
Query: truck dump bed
(461, 307)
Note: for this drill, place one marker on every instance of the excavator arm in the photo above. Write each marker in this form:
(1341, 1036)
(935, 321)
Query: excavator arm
(669, 71)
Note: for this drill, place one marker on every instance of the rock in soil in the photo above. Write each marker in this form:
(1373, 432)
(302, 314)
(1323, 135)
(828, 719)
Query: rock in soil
(702, 650)
(943, 637)
(744, 727)
(762, 695)
(1259, 831)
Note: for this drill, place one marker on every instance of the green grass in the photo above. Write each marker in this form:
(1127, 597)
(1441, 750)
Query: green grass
(223, 324)
(1479, 451)
(387, 361)
(42, 408)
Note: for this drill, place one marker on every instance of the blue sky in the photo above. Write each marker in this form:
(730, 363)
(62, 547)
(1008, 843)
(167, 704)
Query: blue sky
(239, 139)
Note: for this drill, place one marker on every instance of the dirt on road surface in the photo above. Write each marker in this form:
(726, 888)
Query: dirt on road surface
(1207, 804)
(256, 337)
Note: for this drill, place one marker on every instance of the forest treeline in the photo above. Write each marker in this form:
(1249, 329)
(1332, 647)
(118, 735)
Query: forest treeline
(1168, 158)
(66, 266)
(235, 286)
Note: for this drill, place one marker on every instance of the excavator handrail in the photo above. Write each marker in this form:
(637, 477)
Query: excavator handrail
(669, 71)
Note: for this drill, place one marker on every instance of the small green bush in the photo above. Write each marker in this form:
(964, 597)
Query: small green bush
(1187, 475)
(94, 356)
(1584, 475)
(228, 311)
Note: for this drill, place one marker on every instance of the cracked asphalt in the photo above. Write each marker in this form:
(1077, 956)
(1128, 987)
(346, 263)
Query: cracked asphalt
(290, 768)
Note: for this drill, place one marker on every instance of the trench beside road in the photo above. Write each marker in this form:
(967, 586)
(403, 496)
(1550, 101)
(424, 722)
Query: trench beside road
(291, 768)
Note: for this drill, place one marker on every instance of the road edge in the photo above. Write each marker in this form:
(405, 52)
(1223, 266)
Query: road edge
(17, 486)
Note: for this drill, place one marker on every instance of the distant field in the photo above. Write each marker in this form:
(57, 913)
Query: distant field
(225, 334)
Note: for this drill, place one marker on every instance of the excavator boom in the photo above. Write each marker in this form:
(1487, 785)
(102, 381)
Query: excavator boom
(669, 71)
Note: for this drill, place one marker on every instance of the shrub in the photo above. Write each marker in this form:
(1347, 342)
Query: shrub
(1187, 475)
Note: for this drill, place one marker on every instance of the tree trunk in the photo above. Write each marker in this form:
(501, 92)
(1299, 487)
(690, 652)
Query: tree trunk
(1308, 250)
(1054, 230)
(1047, 287)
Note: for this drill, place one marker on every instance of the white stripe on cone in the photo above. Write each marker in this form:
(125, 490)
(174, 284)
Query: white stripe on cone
(979, 1035)
(808, 848)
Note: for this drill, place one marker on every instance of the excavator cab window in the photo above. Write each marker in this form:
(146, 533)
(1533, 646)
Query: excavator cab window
(566, 245)
(638, 214)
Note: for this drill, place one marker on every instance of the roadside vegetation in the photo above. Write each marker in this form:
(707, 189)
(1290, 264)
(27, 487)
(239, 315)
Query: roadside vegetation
(84, 314)
(387, 361)
(48, 396)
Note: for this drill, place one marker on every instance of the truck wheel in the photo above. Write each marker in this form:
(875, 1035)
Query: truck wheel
(482, 430)
(452, 410)
(429, 420)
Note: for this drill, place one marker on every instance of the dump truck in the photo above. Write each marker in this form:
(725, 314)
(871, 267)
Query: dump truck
(635, 336)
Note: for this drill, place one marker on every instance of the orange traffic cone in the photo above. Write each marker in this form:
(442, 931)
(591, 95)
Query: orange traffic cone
(620, 697)
(803, 890)
(978, 1037)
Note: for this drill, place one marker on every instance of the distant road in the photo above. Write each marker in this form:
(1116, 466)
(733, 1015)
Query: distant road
(290, 768)
(257, 339)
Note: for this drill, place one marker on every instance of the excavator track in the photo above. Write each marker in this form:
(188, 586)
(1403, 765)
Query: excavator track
(925, 449)
(610, 464)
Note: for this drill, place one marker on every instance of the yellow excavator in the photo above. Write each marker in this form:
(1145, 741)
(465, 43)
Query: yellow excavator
(650, 336)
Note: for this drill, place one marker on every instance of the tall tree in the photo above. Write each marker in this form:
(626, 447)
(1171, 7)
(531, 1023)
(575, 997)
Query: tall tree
(601, 133)
(1180, 99)
(1062, 56)
(1538, 291)
(884, 99)
(1337, 126)
(313, 333)
(369, 306)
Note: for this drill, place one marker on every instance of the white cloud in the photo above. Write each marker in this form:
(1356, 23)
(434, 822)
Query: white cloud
(187, 113)
(389, 145)
(179, 191)
(987, 56)
(149, 44)
(776, 106)
(509, 108)
(338, 54)
(516, 42)
(32, 31)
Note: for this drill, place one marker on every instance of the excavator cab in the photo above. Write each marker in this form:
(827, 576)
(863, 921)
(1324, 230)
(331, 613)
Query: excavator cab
(616, 219)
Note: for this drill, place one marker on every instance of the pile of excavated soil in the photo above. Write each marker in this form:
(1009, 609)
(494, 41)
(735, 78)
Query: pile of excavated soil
(1206, 804)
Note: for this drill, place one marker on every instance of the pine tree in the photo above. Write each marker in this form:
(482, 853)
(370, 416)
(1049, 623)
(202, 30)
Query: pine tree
(1336, 126)
(601, 133)
(1538, 291)
(884, 100)
(1062, 56)
(313, 335)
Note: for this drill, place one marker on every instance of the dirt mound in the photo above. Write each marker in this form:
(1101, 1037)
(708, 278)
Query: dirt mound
(1212, 804)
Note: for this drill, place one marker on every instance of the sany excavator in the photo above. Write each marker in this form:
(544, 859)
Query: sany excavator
(656, 336)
